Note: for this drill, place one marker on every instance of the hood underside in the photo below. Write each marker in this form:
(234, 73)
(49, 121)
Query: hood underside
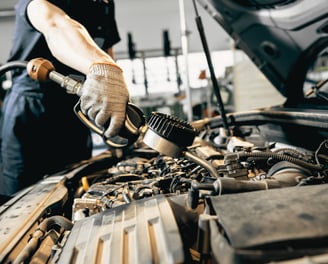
(282, 38)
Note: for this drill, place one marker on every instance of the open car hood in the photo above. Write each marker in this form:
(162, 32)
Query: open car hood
(283, 38)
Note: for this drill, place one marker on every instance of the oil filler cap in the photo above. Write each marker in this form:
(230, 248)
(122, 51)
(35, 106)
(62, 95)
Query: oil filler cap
(168, 135)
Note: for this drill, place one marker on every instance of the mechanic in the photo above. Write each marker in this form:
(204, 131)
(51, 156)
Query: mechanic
(40, 133)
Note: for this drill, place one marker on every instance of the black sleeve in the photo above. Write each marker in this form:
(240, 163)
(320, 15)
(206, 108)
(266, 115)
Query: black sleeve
(112, 34)
(21, 11)
(98, 17)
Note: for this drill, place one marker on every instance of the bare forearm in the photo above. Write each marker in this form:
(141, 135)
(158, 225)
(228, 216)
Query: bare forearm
(68, 40)
(74, 47)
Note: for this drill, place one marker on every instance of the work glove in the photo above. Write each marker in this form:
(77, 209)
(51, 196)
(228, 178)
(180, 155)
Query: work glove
(104, 97)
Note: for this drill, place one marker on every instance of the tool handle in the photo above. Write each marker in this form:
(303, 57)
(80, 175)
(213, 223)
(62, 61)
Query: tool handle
(40, 69)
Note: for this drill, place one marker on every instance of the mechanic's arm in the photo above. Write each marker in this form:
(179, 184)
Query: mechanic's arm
(67, 39)
(110, 51)
(104, 94)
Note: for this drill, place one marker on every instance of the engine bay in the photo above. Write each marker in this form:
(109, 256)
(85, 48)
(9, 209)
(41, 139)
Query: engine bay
(239, 187)
(246, 197)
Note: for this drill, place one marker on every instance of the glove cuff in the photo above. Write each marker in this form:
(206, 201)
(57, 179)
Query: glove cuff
(104, 69)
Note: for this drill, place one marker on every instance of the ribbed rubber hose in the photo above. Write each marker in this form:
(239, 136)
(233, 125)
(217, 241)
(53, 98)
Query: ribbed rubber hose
(281, 157)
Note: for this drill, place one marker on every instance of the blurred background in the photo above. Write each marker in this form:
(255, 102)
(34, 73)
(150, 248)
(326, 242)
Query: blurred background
(164, 63)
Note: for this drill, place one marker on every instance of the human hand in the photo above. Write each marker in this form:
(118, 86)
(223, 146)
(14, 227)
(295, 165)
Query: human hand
(104, 97)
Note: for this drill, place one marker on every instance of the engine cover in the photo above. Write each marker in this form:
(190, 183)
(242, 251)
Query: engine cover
(264, 226)
(140, 232)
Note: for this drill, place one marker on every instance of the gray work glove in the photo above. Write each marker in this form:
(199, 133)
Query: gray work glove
(104, 97)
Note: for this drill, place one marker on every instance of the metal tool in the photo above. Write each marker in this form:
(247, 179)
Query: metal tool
(163, 133)
(43, 70)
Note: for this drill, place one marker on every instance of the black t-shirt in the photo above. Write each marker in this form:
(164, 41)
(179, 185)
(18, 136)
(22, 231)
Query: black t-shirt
(98, 17)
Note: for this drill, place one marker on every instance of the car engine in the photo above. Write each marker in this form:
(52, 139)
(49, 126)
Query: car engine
(239, 187)
(195, 196)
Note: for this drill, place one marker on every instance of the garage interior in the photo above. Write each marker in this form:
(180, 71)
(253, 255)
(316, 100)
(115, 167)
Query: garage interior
(192, 187)
(162, 70)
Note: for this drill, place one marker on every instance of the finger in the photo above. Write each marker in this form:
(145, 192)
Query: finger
(102, 119)
(85, 104)
(115, 125)
(92, 112)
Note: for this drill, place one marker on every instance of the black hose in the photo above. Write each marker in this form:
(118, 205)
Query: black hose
(205, 164)
(280, 157)
(12, 65)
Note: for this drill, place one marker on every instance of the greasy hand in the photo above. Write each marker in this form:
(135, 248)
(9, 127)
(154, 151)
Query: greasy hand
(104, 97)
